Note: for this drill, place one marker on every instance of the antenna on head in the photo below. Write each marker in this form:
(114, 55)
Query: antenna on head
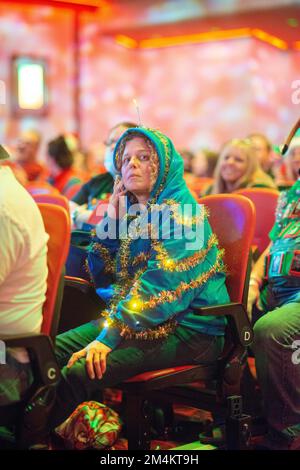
(137, 110)
(289, 137)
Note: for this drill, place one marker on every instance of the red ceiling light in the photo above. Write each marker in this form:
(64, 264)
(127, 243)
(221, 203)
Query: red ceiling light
(216, 35)
(89, 3)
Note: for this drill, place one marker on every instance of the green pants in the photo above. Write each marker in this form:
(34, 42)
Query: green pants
(131, 357)
(277, 355)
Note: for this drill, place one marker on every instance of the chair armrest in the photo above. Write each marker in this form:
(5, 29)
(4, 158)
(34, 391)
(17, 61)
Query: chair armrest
(255, 252)
(78, 283)
(237, 317)
(41, 351)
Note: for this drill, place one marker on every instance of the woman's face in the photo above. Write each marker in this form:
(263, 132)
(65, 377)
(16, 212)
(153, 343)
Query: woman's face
(233, 165)
(136, 167)
(295, 161)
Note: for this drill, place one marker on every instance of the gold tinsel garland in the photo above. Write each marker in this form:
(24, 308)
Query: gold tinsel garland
(172, 295)
(164, 330)
(140, 258)
(123, 258)
(187, 221)
(87, 269)
(167, 150)
(161, 331)
(169, 264)
(109, 262)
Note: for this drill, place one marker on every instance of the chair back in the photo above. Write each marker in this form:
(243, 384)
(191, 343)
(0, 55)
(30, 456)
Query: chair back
(40, 187)
(56, 199)
(198, 184)
(265, 201)
(232, 219)
(57, 225)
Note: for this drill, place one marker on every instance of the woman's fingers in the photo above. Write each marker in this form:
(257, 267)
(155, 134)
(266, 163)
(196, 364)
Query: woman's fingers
(97, 365)
(96, 354)
(103, 363)
(90, 363)
(74, 358)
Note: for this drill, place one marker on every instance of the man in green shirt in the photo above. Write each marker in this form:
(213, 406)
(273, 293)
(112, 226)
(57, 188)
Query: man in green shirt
(275, 291)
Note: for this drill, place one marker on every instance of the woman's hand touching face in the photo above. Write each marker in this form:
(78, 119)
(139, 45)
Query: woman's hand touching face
(116, 201)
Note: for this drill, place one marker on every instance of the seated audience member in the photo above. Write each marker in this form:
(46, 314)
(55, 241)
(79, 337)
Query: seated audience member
(269, 161)
(204, 163)
(292, 160)
(100, 186)
(275, 293)
(188, 157)
(23, 276)
(238, 168)
(27, 155)
(60, 162)
(149, 277)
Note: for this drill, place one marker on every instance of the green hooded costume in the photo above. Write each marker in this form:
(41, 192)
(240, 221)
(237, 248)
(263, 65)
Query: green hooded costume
(153, 276)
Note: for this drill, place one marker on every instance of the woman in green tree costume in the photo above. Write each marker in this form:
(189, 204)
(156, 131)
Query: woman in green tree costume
(152, 259)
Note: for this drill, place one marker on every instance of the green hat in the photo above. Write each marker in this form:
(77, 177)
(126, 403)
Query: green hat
(3, 153)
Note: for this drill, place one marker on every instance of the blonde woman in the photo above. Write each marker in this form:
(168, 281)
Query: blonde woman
(237, 168)
(292, 162)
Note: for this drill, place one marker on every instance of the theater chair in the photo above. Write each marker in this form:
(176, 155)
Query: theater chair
(28, 417)
(56, 199)
(40, 187)
(199, 185)
(265, 201)
(210, 387)
(81, 303)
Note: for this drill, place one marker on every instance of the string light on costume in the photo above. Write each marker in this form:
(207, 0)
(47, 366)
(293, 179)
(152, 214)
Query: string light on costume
(168, 263)
(135, 304)
(182, 264)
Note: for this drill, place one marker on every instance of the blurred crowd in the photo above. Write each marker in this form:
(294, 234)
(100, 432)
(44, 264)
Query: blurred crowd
(240, 163)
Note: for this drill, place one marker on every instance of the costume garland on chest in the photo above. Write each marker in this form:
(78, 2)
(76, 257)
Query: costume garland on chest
(167, 296)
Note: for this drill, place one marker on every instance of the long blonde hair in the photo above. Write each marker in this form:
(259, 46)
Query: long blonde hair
(290, 173)
(253, 171)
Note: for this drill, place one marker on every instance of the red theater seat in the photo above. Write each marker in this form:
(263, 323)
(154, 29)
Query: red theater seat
(29, 415)
(56, 199)
(265, 201)
(232, 218)
(39, 187)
